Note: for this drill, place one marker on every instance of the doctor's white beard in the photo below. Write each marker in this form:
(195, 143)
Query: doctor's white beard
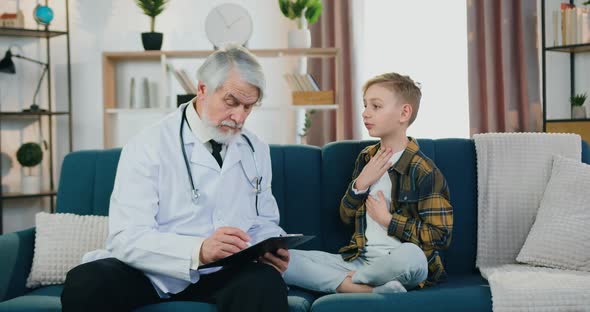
(215, 133)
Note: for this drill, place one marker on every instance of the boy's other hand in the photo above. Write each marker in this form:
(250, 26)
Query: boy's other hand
(378, 210)
(374, 169)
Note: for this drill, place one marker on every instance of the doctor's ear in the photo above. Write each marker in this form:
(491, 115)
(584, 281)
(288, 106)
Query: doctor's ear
(201, 88)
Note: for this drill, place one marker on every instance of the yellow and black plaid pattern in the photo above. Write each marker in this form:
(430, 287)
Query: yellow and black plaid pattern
(421, 209)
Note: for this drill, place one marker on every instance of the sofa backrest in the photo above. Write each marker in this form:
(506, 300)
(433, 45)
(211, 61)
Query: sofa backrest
(456, 160)
(87, 180)
(308, 184)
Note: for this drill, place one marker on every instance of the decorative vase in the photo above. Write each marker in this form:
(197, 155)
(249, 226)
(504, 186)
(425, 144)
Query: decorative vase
(152, 40)
(299, 38)
(578, 112)
(31, 185)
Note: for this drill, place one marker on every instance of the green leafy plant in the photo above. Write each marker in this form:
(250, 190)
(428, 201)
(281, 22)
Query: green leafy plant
(578, 99)
(307, 122)
(299, 10)
(29, 155)
(152, 8)
(587, 2)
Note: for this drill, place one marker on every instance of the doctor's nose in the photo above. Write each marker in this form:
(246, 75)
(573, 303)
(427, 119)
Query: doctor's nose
(239, 115)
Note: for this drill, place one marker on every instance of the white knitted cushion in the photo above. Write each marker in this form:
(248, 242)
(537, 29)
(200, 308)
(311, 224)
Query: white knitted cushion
(560, 236)
(61, 240)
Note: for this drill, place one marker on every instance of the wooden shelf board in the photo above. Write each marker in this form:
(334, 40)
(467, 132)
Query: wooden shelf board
(572, 48)
(21, 195)
(138, 110)
(34, 33)
(31, 114)
(155, 55)
(318, 106)
(568, 120)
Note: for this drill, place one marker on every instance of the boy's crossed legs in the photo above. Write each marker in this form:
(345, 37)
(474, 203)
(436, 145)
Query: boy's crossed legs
(404, 267)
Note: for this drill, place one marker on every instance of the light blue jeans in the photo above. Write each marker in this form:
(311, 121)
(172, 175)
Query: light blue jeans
(324, 272)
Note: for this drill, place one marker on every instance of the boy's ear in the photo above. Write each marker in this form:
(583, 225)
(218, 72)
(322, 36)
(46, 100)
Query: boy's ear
(406, 113)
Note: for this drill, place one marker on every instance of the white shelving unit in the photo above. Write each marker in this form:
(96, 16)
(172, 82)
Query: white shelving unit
(166, 100)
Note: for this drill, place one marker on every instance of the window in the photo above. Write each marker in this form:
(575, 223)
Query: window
(426, 40)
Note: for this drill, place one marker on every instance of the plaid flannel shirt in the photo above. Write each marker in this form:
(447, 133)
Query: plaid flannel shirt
(420, 208)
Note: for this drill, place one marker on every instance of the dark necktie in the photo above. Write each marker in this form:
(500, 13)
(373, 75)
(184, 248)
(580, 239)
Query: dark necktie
(216, 152)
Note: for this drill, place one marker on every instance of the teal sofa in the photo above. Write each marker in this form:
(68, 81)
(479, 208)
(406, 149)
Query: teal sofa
(308, 183)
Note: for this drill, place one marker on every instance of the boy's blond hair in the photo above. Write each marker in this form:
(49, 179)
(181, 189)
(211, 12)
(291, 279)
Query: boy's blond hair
(403, 88)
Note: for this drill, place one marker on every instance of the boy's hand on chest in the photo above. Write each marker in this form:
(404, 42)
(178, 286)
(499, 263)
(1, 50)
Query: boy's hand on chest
(378, 210)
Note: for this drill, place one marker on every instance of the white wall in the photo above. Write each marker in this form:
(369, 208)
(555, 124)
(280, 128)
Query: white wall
(109, 25)
(426, 40)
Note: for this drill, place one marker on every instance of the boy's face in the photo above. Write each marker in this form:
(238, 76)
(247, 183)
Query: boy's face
(384, 115)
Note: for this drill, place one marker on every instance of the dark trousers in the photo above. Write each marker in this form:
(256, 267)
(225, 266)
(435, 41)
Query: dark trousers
(111, 285)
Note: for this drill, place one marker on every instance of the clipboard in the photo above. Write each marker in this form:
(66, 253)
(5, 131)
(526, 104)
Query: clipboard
(253, 252)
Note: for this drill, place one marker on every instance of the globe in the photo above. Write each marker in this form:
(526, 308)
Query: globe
(43, 14)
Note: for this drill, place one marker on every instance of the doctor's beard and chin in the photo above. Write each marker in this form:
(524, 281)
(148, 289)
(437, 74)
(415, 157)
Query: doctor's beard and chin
(232, 131)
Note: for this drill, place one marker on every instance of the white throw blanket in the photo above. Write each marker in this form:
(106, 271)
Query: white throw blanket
(518, 287)
(513, 170)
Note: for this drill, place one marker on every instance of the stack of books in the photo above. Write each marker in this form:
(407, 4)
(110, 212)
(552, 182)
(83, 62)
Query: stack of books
(574, 23)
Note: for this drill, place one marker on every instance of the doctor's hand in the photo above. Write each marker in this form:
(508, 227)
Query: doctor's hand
(374, 169)
(224, 242)
(279, 260)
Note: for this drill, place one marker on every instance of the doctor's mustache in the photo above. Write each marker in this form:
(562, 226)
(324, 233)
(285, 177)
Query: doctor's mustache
(232, 124)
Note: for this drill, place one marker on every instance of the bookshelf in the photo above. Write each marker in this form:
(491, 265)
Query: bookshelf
(112, 60)
(50, 116)
(573, 51)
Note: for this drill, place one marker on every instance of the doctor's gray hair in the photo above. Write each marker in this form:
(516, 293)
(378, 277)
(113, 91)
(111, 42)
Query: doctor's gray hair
(214, 72)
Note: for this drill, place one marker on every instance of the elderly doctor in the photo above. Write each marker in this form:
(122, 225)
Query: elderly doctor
(192, 189)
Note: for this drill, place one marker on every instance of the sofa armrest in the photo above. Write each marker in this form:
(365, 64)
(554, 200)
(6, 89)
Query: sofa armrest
(15, 263)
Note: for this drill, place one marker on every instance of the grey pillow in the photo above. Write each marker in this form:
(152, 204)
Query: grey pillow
(560, 236)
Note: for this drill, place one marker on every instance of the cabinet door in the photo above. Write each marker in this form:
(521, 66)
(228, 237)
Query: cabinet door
(580, 127)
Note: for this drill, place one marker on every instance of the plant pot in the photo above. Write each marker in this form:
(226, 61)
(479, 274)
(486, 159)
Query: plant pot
(299, 38)
(152, 40)
(31, 185)
(578, 112)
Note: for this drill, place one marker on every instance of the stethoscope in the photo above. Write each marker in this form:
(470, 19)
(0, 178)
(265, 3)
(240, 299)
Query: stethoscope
(256, 182)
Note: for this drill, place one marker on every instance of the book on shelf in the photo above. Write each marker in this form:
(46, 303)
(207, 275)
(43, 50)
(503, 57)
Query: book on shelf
(575, 25)
(182, 78)
(298, 82)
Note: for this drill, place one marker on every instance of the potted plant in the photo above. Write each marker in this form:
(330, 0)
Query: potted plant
(578, 109)
(306, 125)
(306, 12)
(152, 40)
(30, 155)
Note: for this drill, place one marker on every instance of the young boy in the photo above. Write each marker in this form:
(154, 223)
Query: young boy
(398, 201)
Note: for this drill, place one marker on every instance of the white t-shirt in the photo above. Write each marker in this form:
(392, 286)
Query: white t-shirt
(378, 242)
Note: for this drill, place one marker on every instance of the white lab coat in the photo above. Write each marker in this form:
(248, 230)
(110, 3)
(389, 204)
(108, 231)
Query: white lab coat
(155, 226)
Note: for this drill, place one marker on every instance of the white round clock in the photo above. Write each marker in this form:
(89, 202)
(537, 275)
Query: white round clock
(228, 23)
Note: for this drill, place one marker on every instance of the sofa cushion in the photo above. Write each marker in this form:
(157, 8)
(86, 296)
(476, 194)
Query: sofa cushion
(560, 237)
(32, 304)
(460, 293)
(48, 299)
(60, 242)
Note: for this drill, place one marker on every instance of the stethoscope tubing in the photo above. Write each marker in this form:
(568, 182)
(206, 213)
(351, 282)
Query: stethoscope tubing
(195, 191)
